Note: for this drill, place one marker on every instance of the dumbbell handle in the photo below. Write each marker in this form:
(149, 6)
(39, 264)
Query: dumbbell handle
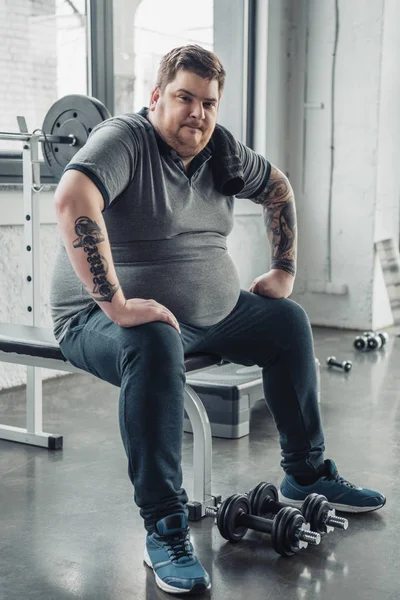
(336, 363)
(244, 520)
(265, 526)
(253, 522)
(272, 506)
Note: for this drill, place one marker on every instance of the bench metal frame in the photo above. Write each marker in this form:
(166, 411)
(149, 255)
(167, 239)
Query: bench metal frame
(33, 434)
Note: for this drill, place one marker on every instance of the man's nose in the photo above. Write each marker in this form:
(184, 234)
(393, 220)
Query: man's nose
(197, 110)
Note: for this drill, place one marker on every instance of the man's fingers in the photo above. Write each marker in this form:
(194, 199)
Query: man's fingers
(172, 319)
(253, 286)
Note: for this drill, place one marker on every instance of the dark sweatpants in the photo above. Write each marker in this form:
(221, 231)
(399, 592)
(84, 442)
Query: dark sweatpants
(147, 363)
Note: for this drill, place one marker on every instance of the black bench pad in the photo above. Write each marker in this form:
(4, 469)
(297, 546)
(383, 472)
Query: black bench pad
(39, 341)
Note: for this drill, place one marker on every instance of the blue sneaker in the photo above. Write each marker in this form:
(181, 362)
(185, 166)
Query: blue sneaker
(341, 494)
(170, 554)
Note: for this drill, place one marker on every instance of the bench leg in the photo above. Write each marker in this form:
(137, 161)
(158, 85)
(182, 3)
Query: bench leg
(33, 433)
(202, 456)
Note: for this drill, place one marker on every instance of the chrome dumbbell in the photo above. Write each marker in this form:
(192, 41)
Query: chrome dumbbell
(346, 365)
(377, 340)
(370, 340)
(361, 341)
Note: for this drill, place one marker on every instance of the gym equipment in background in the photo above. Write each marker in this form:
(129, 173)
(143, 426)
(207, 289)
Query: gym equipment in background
(66, 128)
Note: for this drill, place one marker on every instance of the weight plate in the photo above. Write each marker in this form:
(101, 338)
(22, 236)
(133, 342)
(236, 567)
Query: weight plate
(259, 496)
(284, 526)
(315, 510)
(292, 543)
(310, 507)
(359, 343)
(71, 115)
(374, 342)
(103, 110)
(229, 510)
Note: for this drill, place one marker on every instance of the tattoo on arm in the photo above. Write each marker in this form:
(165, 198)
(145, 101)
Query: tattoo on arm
(277, 200)
(89, 235)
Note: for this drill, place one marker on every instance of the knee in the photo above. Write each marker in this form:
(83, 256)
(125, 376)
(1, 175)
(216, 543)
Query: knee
(155, 342)
(295, 316)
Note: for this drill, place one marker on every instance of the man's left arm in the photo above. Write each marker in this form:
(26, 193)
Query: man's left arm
(277, 200)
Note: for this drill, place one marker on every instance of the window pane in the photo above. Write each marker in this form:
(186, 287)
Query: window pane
(43, 56)
(146, 30)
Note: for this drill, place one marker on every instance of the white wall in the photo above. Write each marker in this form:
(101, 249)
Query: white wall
(365, 188)
(387, 211)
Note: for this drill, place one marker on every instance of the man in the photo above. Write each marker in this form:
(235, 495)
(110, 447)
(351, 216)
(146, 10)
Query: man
(143, 276)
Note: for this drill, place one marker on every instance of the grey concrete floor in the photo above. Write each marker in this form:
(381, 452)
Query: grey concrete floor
(69, 528)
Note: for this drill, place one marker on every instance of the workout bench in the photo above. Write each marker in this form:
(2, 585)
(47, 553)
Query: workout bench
(36, 347)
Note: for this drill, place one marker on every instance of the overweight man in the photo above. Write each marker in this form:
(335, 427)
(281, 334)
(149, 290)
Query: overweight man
(142, 276)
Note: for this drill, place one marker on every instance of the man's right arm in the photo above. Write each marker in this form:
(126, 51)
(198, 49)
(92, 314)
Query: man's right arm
(79, 206)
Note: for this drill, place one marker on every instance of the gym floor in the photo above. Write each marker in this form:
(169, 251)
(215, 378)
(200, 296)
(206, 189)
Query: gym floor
(70, 530)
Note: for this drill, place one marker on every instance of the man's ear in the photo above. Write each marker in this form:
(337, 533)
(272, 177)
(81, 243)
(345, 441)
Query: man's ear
(155, 95)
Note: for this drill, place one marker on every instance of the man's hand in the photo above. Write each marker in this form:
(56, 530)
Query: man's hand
(274, 284)
(137, 311)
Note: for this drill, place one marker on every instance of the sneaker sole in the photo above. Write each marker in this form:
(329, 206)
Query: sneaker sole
(196, 589)
(341, 507)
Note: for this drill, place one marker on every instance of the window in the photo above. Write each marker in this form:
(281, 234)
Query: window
(145, 31)
(43, 56)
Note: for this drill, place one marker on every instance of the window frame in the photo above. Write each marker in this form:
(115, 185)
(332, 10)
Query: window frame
(233, 50)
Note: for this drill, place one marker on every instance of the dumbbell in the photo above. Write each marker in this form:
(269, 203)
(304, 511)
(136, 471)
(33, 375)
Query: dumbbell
(345, 364)
(316, 510)
(377, 340)
(361, 341)
(370, 340)
(288, 530)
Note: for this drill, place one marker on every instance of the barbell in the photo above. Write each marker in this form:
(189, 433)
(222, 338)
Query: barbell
(65, 130)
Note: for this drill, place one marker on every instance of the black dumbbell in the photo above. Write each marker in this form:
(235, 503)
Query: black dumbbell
(288, 530)
(345, 364)
(316, 510)
(377, 340)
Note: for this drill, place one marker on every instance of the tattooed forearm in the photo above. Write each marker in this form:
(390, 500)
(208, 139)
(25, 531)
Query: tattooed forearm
(279, 210)
(89, 235)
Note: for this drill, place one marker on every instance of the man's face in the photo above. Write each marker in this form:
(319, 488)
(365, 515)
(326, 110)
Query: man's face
(185, 113)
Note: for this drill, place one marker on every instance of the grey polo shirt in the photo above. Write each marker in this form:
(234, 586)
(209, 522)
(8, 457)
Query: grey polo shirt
(167, 226)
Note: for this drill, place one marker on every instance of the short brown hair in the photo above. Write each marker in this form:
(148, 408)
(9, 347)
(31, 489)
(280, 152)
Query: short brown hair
(191, 58)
